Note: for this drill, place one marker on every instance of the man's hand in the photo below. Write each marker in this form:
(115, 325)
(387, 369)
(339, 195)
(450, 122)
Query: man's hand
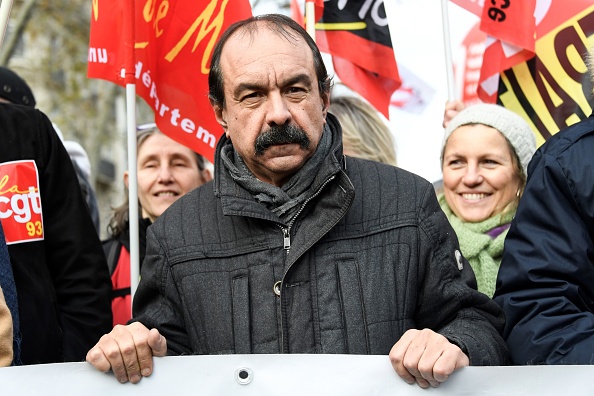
(426, 357)
(128, 351)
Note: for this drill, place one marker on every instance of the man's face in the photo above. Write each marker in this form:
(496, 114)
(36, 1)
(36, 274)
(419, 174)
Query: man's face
(273, 114)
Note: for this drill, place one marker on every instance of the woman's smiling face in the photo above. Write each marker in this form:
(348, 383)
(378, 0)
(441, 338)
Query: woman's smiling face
(479, 173)
(166, 171)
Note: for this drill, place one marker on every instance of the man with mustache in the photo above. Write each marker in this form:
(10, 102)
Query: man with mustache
(295, 248)
(281, 134)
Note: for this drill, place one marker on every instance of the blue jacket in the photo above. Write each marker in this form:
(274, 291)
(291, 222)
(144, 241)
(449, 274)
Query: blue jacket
(368, 257)
(546, 279)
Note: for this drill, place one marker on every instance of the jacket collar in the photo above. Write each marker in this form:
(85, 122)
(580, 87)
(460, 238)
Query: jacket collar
(237, 201)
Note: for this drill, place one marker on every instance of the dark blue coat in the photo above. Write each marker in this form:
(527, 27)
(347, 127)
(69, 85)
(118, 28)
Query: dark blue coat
(546, 279)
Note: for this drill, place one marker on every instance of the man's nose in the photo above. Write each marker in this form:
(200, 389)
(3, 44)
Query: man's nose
(277, 112)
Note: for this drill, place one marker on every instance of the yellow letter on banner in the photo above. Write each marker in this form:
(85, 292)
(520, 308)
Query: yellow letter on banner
(148, 13)
(214, 27)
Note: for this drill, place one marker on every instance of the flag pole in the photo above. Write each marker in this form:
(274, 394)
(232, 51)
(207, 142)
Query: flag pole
(130, 81)
(449, 64)
(310, 18)
(5, 8)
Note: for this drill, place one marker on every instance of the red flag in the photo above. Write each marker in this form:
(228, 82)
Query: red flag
(358, 37)
(511, 21)
(296, 13)
(552, 89)
(474, 6)
(510, 25)
(470, 70)
(318, 7)
(414, 95)
(173, 44)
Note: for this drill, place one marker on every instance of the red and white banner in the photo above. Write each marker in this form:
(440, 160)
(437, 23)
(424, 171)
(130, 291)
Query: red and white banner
(173, 44)
(20, 202)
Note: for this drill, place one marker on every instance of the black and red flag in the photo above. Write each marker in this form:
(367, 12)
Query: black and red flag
(357, 36)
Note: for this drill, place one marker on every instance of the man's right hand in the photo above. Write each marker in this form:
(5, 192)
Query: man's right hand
(128, 351)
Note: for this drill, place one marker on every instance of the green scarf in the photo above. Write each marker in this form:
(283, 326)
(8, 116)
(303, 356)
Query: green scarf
(482, 252)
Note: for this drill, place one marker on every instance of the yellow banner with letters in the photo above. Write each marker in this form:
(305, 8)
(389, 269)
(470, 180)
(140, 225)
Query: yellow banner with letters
(554, 89)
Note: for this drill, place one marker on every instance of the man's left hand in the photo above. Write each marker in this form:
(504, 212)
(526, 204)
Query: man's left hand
(426, 357)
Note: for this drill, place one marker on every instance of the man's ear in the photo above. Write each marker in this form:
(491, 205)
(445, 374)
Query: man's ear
(220, 116)
(126, 176)
(325, 104)
(206, 175)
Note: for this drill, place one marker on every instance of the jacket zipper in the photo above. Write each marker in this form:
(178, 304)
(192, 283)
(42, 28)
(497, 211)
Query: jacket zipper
(287, 230)
(287, 246)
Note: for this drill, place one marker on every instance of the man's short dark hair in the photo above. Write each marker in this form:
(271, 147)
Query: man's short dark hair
(283, 26)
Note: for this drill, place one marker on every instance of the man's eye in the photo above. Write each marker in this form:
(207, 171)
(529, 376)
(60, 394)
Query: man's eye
(295, 90)
(252, 95)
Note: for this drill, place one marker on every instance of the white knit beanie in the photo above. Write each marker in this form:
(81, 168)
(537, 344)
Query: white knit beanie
(511, 125)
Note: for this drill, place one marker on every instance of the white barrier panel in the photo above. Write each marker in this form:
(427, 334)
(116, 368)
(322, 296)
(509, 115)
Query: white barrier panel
(291, 375)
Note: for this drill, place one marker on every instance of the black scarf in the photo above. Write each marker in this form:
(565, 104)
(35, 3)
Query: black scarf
(286, 200)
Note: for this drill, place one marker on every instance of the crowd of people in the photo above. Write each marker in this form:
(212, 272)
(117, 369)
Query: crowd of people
(308, 238)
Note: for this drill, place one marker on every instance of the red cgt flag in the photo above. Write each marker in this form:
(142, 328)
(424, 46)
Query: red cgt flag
(358, 38)
(173, 42)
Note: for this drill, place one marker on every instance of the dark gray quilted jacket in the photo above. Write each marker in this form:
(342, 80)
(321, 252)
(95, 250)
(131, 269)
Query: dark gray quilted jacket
(369, 257)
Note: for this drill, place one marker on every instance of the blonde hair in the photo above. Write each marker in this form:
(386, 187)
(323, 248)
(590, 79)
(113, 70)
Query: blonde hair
(363, 131)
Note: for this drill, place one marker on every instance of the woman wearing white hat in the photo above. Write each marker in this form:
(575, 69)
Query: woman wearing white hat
(485, 154)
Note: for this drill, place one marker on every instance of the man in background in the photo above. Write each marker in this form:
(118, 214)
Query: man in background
(13, 89)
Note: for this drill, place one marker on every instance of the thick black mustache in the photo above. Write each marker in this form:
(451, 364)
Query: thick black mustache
(281, 134)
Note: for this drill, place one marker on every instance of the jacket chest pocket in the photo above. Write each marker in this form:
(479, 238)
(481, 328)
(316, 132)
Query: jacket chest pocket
(363, 298)
(229, 303)
(341, 309)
